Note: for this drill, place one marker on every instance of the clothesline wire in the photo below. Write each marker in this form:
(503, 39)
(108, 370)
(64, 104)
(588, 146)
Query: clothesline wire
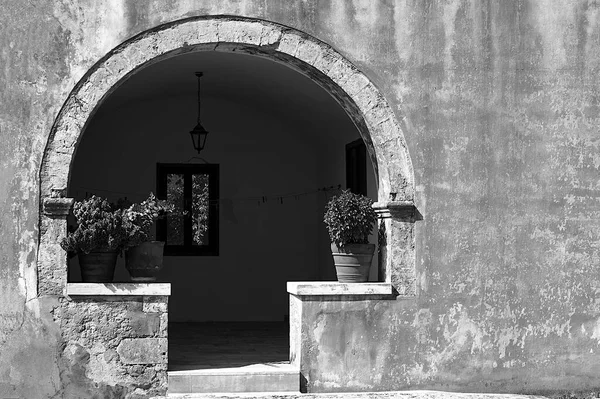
(260, 198)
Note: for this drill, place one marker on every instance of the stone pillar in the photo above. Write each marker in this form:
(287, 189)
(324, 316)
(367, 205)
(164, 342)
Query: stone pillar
(117, 333)
(339, 334)
(397, 245)
(52, 260)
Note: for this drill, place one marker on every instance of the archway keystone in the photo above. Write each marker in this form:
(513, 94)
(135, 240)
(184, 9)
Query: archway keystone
(353, 90)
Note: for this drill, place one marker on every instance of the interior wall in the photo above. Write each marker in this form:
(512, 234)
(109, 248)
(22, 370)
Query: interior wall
(262, 244)
(332, 164)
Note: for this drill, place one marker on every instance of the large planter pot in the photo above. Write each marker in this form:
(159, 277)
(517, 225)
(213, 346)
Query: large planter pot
(352, 262)
(97, 267)
(144, 261)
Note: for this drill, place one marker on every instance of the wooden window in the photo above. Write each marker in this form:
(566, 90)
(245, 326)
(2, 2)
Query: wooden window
(194, 190)
(356, 167)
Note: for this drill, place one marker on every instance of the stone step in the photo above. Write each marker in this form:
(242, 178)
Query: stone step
(267, 377)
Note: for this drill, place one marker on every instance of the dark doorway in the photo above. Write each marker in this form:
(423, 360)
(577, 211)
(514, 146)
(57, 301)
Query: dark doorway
(356, 167)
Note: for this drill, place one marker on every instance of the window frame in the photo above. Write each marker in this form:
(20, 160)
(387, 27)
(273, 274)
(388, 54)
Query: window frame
(187, 170)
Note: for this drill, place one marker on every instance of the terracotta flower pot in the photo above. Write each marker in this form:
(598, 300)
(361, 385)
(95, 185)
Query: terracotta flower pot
(352, 262)
(144, 261)
(97, 267)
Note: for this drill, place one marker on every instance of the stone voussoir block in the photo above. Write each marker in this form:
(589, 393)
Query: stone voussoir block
(118, 66)
(368, 98)
(289, 43)
(356, 83)
(88, 93)
(386, 135)
(308, 51)
(206, 30)
(270, 35)
(326, 60)
(171, 39)
(70, 126)
(234, 31)
(341, 72)
(143, 350)
(378, 114)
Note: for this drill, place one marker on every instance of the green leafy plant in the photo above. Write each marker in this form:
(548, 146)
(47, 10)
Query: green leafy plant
(99, 227)
(349, 218)
(139, 218)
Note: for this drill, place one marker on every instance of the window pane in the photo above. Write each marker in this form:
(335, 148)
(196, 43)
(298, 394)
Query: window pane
(200, 205)
(175, 221)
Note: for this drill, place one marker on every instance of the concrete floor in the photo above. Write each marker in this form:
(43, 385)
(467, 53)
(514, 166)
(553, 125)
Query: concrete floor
(195, 346)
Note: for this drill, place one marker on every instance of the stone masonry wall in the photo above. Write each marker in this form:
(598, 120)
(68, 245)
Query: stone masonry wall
(115, 346)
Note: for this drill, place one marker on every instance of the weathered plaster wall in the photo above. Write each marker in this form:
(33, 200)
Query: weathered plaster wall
(500, 106)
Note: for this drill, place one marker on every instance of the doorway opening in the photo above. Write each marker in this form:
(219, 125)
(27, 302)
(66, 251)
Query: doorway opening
(280, 143)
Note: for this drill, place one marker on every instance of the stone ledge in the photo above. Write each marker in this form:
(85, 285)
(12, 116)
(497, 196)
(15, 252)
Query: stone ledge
(57, 207)
(395, 209)
(119, 289)
(320, 288)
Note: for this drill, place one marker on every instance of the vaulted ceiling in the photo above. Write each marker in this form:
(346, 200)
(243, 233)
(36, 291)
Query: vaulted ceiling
(250, 80)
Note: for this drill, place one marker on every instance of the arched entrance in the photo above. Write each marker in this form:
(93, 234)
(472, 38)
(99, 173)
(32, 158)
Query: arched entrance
(353, 90)
(364, 104)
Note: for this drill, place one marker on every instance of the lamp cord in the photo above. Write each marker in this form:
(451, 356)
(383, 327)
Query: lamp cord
(199, 75)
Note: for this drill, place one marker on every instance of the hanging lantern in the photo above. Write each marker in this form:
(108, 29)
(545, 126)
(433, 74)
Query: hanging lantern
(199, 133)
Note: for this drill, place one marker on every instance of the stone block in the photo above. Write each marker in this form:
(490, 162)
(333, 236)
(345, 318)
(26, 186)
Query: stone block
(52, 271)
(164, 325)
(234, 31)
(356, 83)
(270, 35)
(155, 304)
(326, 60)
(341, 72)
(378, 114)
(54, 228)
(143, 324)
(171, 39)
(143, 350)
(289, 43)
(206, 30)
(57, 169)
(308, 51)
(127, 59)
(89, 93)
(368, 98)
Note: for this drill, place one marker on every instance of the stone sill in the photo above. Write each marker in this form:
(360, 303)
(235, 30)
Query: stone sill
(321, 288)
(119, 289)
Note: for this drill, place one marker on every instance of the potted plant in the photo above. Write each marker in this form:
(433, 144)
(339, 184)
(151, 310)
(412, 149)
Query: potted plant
(350, 218)
(97, 240)
(144, 256)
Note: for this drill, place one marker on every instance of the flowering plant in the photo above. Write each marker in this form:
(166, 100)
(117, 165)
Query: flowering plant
(139, 218)
(99, 227)
(349, 218)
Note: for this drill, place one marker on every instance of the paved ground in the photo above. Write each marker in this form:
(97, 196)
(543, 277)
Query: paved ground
(369, 395)
(234, 344)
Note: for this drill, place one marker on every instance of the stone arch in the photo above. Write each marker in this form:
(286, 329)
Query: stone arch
(363, 102)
